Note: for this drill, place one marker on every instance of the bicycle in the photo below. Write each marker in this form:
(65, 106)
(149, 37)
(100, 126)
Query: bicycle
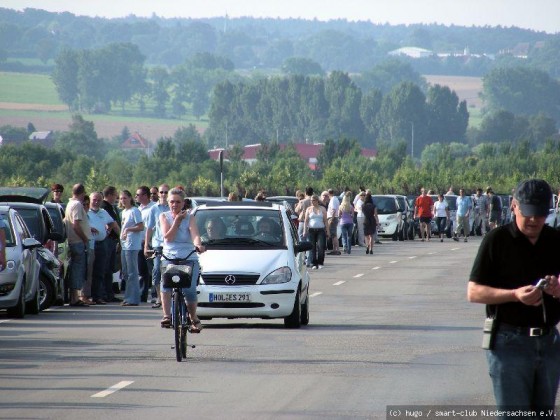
(178, 275)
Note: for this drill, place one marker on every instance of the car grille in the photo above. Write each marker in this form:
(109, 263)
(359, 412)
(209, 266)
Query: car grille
(230, 279)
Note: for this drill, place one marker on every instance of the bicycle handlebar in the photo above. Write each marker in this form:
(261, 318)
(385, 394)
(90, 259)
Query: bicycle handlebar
(161, 254)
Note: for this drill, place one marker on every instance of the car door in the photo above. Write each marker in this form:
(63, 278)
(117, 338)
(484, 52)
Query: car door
(29, 257)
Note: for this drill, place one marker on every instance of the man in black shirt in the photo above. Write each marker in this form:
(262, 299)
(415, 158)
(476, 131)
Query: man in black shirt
(110, 195)
(524, 362)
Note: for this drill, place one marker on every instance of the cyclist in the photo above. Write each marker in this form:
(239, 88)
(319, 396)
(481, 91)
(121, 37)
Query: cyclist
(180, 237)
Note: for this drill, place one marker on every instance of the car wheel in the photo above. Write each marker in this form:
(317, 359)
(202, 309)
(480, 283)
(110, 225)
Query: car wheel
(46, 292)
(305, 311)
(18, 311)
(294, 319)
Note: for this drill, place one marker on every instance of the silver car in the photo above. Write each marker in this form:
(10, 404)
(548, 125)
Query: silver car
(19, 279)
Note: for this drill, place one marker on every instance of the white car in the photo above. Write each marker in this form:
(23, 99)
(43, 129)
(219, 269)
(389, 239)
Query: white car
(254, 267)
(391, 215)
(19, 280)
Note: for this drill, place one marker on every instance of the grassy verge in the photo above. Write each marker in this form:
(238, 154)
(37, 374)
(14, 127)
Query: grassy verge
(22, 88)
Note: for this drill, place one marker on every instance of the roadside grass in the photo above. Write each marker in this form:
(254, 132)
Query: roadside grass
(28, 88)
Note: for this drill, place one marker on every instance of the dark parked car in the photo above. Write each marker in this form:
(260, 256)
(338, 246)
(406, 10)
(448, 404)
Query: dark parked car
(28, 202)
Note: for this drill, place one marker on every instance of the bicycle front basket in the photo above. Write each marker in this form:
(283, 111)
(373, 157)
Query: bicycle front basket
(179, 276)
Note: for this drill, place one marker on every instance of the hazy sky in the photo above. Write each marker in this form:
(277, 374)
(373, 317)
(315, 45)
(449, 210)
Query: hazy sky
(543, 15)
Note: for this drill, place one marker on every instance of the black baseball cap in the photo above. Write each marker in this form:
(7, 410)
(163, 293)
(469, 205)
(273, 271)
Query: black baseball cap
(534, 197)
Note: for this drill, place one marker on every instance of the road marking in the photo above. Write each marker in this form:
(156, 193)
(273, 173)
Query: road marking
(315, 294)
(358, 275)
(338, 283)
(376, 268)
(455, 249)
(411, 258)
(393, 262)
(112, 389)
(432, 253)
(5, 320)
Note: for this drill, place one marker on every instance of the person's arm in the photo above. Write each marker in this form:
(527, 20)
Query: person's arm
(195, 235)
(325, 222)
(138, 227)
(479, 293)
(170, 230)
(306, 221)
(79, 231)
(113, 227)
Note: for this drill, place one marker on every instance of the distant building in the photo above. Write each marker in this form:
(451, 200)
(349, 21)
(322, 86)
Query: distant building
(413, 52)
(45, 138)
(137, 142)
(308, 152)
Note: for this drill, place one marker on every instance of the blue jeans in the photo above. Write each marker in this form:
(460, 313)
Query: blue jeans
(347, 236)
(189, 292)
(130, 267)
(156, 271)
(78, 265)
(525, 370)
(303, 237)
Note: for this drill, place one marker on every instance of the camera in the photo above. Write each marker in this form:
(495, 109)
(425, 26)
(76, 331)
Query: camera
(542, 284)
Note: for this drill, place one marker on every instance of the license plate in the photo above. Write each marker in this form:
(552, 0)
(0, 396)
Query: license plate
(230, 297)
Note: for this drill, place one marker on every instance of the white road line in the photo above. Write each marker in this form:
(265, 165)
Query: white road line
(455, 249)
(315, 294)
(432, 253)
(113, 389)
(338, 283)
(411, 258)
(358, 275)
(5, 320)
(393, 262)
(376, 268)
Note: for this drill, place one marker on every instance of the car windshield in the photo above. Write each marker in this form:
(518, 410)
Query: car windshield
(451, 202)
(224, 227)
(385, 205)
(8, 232)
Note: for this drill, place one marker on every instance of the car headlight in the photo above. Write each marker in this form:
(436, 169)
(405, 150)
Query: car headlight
(282, 275)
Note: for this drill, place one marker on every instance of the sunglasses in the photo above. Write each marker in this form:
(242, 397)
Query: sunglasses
(164, 192)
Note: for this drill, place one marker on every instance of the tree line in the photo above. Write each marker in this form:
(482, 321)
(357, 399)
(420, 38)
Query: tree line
(80, 156)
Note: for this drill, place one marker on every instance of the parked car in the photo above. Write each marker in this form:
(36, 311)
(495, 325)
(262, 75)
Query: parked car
(553, 218)
(392, 214)
(19, 280)
(290, 199)
(28, 203)
(247, 275)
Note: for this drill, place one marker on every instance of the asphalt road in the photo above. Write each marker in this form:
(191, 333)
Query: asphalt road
(392, 328)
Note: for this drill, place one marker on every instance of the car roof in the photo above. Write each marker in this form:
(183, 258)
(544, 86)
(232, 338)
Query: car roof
(243, 204)
(35, 195)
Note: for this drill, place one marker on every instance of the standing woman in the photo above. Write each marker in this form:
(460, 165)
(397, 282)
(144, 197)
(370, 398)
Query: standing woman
(315, 225)
(180, 238)
(441, 213)
(132, 234)
(346, 217)
(370, 221)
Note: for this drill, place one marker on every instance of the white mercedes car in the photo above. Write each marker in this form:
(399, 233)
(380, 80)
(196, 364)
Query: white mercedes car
(254, 265)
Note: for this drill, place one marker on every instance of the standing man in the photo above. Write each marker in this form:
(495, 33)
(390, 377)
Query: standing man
(524, 361)
(154, 240)
(464, 207)
(102, 224)
(481, 211)
(423, 211)
(154, 195)
(494, 209)
(78, 231)
(332, 221)
(110, 198)
(301, 208)
(144, 265)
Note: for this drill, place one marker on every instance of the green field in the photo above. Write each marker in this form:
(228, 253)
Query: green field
(23, 88)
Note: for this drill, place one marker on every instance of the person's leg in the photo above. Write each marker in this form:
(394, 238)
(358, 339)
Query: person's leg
(548, 372)
(110, 249)
(86, 288)
(156, 277)
(132, 294)
(344, 236)
(144, 275)
(191, 296)
(78, 270)
(313, 238)
(98, 272)
(322, 240)
(334, 234)
(361, 236)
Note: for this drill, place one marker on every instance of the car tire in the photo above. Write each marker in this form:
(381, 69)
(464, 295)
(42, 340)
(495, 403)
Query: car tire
(46, 292)
(34, 305)
(18, 311)
(294, 319)
(305, 311)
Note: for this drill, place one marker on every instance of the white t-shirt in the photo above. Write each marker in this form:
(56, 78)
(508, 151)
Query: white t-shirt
(440, 207)
(332, 209)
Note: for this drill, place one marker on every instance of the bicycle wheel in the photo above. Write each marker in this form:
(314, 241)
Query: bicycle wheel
(184, 327)
(177, 324)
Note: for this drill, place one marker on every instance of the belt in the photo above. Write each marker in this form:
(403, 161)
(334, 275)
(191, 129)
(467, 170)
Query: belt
(527, 331)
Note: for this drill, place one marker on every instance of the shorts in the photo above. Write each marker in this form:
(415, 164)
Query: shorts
(427, 220)
(332, 223)
(495, 216)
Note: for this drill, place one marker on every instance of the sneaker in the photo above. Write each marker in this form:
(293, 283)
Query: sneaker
(320, 266)
(456, 239)
(466, 240)
(314, 267)
(331, 253)
(154, 300)
(441, 240)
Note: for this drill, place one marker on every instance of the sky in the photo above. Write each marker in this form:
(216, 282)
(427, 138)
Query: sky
(540, 15)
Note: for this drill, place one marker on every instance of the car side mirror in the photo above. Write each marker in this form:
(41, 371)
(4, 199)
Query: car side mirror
(302, 247)
(29, 243)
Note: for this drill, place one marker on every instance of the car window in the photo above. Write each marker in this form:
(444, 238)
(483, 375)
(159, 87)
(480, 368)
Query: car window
(385, 205)
(33, 222)
(451, 201)
(21, 228)
(247, 228)
(8, 232)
